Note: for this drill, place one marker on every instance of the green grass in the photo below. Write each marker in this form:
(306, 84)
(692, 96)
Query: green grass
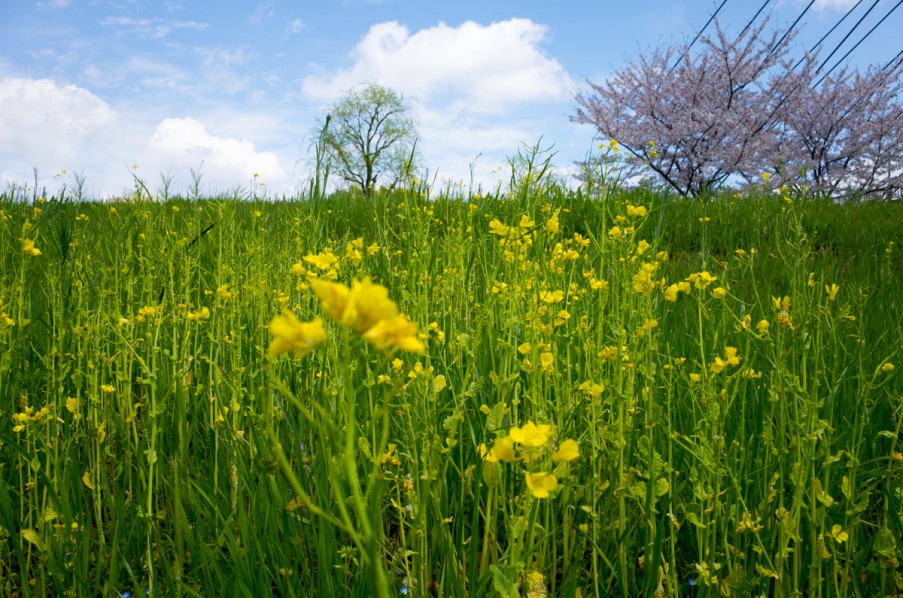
(173, 455)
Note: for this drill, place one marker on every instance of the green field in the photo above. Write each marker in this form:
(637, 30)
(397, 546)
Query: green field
(726, 369)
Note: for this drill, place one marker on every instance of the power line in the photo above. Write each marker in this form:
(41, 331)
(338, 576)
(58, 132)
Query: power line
(850, 51)
(830, 31)
(849, 33)
(755, 16)
(789, 29)
(892, 60)
(709, 22)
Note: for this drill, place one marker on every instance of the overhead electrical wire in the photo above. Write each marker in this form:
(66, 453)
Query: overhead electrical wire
(892, 60)
(755, 16)
(709, 22)
(789, 29)
(849, 33)
(830, 31)
(850, 51)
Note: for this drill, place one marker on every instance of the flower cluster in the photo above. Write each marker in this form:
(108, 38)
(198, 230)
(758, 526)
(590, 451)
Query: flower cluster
(525, 444)
(30, 415)
(367, 308)
(364, 307)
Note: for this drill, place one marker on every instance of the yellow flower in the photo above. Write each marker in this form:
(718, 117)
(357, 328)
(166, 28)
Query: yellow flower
(497, 228)
(887, 367)
(439, 384)
(107, 388)
(671, 293)
(197, 316)
(551, 296)
(525, 348)
(701, 280)
(642, 247)
(298, 269)
(290, 334)
(323, 261)
(694, 378)
(831, 290)
(553, 225)
(360, 307)
(29, 248)
(396, 332)
(541, 484)
(567, 451)
(730, 358)
(593, 389)
(526, 222)
(639, 211)
(838, 534)
(502, 450)
(547, 360)
(763, 326)
(531, 435)
(719, 292)
(615, 232)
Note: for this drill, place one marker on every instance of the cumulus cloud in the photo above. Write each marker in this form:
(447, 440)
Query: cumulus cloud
(51, 127)
(181, 141)
(41, 120)
(488, 68)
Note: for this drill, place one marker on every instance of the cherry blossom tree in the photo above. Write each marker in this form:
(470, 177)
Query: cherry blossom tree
(736, 108)
(847, 134)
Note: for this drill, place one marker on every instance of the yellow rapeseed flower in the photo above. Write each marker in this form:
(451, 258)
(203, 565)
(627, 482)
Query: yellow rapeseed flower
(638, 211)
(671, 293)
(730, 358)
(323, 260)
(503, 449)
(553, 225)
(541, 484)
(290, 334)
(395, 333)
(547, 360)
(530, 434)
(831, 290)
(701, 280)
(568, 450)
(29, 248)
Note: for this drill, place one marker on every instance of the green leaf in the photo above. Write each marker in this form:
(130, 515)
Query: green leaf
(504, 586)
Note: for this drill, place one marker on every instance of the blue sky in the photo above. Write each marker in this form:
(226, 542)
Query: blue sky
(234, 88)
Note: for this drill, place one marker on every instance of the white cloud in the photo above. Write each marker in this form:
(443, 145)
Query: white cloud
(44, 122)
(155, 27)
(51, 127)
(486, 68)
(55, 4)
(180, 142)
(833, 4)
(296, 25)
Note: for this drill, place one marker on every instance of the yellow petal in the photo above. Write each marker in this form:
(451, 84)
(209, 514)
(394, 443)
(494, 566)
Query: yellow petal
(567, 451)
(541, 484)
(86, 480)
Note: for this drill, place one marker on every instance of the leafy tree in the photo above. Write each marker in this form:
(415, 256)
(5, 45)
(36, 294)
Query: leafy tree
(367, 135)
(736, 108)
